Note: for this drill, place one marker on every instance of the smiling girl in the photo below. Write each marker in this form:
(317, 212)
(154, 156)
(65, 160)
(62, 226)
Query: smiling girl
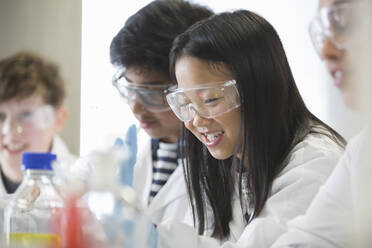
(255, 156)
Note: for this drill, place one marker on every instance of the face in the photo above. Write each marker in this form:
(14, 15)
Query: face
(218, 134)
(344, 62)
(159, 125)
(26, 125)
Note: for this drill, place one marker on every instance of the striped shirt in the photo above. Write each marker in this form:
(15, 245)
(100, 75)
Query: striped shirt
(165, 161)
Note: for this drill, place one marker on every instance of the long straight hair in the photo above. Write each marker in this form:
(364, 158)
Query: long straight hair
(274, 117)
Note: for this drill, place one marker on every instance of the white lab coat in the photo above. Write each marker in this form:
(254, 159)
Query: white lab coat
(172, 201)
(310, 164)
(60, 149)
(332, 217)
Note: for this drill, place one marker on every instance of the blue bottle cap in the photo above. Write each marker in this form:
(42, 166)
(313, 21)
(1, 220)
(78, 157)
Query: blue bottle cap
(38, 161)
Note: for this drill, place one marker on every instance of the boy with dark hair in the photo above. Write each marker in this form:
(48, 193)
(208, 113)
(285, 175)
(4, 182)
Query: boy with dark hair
(140, 53)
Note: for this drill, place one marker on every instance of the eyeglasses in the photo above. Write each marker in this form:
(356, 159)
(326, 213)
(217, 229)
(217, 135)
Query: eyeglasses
(335, 23)
(150, 96)
(25, 118)
(208, 101)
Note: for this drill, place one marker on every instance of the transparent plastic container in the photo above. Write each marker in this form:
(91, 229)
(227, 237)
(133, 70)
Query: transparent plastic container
(114, 219)
(27, 217)
(114, 223)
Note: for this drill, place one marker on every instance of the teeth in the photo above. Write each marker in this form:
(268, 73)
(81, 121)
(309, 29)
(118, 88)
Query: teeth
(213, 136)
(202, 129)
(14, 147)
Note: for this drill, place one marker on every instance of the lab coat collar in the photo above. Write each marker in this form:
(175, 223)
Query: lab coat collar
(168, 194)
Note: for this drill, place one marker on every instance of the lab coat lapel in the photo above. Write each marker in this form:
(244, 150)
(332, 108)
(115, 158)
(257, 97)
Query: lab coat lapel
(172, 190)
(143, 171)
(237, 223)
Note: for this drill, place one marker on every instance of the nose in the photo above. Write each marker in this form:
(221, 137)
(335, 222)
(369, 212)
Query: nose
(200, 121)
(329, 50)
(136, 106)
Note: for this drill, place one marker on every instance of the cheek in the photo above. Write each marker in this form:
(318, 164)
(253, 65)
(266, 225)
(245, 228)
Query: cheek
(189, 126)
(168, 119)
(193, 130)
(236, 123)
(231, 123)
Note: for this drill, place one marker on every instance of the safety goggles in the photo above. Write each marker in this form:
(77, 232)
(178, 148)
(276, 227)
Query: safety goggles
(336, 23)
(150, 96)
(25, 118)
(208, 101)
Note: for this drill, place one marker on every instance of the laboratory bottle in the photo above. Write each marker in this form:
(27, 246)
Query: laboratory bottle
(27, 217)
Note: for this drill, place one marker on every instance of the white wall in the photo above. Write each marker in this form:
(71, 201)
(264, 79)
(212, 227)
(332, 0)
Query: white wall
(53, 29)
(104, 114)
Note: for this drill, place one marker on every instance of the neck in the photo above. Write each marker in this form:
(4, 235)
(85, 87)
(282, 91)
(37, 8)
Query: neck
(170, 139)
(15, 176)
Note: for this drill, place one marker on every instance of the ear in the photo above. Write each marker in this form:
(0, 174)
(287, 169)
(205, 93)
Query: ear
(60, 119)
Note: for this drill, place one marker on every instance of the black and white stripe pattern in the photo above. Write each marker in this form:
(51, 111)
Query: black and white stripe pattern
(165, 161)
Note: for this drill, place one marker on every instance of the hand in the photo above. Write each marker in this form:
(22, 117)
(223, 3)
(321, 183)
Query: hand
(126, 169)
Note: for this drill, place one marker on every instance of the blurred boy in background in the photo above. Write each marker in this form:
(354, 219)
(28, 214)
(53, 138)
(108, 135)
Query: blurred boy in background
(32, 114)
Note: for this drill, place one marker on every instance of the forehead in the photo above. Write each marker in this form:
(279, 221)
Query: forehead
(325, 3)
(194, 72)
(33, 101)
(190, 68)
(138, 75)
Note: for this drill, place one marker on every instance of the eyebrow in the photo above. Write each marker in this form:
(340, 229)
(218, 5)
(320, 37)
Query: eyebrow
(146, 83)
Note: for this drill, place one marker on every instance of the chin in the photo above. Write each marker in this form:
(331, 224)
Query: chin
(152, 132)
(15, 167)
(156, 134)
(350, 101)
(218, 155)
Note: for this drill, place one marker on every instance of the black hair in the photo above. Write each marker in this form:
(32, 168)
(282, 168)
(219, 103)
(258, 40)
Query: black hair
(274, 116)
(147, 36)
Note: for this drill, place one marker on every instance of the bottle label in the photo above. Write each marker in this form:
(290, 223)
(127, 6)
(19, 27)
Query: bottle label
(34, 239)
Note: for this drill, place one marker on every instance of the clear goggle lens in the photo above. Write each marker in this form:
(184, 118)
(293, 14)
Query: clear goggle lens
(150, 96)
(209, 101)
(336, 23)
(26, 118)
